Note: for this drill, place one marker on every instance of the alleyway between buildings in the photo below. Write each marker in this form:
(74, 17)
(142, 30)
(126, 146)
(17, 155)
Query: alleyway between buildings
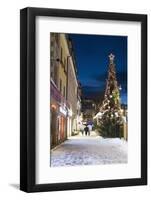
(89, 150)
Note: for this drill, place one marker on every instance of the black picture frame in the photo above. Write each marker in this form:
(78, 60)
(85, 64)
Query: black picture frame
(28, 98)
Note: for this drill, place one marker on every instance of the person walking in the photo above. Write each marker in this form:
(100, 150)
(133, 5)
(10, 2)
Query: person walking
(86, 129)
(90, 129)
(82, 129)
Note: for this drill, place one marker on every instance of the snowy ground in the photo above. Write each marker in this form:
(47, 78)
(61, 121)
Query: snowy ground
(89, 150)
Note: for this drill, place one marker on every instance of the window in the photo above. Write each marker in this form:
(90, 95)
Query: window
(61, 56)
(60, 85)
(57, 38)
(51, 75)
(65, 64)
(52, 54)
(64, 91)
(52, 43)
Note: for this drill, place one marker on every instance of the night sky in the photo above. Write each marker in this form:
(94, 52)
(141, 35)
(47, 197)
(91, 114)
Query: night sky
(91, 54)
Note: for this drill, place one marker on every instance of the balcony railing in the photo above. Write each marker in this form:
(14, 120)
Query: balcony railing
(55, 93)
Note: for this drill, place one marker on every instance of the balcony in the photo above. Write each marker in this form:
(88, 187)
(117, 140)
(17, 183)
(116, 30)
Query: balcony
(55, 94)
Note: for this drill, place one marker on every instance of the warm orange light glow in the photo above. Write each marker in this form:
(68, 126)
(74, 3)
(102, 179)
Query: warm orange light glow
(53, 106)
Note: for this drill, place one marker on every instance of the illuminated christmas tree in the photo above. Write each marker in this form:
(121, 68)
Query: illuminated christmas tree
(111, 119)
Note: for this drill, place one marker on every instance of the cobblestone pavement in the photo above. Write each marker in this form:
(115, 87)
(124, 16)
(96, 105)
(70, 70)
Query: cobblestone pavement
(89, 150)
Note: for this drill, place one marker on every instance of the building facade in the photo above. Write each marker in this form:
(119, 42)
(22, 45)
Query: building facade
(72, 97)
(63, 97)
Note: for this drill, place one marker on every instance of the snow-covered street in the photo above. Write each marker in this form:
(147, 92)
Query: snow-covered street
(89, 150)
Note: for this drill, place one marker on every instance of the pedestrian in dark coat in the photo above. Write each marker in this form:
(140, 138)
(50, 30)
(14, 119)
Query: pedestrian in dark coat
(86, 129)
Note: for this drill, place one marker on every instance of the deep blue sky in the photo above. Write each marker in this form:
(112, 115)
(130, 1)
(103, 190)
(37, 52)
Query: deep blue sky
(91, 54)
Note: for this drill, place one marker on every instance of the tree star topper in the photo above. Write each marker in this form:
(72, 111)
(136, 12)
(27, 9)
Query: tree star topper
(111, 57)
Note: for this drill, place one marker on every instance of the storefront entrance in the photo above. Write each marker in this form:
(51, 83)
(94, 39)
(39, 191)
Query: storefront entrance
(53, 137)
(62, 128)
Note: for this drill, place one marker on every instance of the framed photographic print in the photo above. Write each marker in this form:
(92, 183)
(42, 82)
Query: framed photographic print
(83, 99)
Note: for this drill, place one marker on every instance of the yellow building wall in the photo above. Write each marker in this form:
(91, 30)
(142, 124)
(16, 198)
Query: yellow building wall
(62, 72)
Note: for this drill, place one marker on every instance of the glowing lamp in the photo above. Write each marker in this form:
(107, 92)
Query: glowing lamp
(53, 106)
